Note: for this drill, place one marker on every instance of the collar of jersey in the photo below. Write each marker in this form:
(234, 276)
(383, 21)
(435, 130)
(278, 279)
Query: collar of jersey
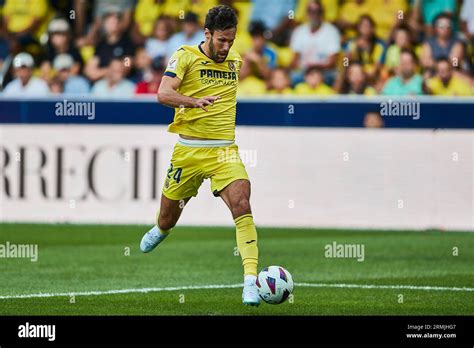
(205, 55)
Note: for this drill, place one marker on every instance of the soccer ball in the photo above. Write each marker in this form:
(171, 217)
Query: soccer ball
(274, 284)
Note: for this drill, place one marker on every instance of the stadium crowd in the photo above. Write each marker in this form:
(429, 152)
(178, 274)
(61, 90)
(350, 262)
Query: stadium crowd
(120, 48)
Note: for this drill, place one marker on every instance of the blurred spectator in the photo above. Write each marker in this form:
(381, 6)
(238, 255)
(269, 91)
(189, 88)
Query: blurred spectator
(115, 44)
(467, 26)
(373, 120)
(201, 7)
(174, 8)
(145, 16)
(354, 81)
(251, 86)
(386, 13)
(260, 59)
(65, 9)
(402, 40)
(443, 44)
(276, 17)
(349, 15)
(114, 84)
(279, 82)
(73, 84)
(407, 81)
(56, 86)
(467, 19)
(103, 8)
(430, 9)
(150, 84)
(191, 34)
(142, 66)
(316, 43)
(25, 84)
(313, 84)
(25, 20)
(331, 10)
(447, 84)
(60, 42)
(366, 47)
(157, 45)
(124, 7)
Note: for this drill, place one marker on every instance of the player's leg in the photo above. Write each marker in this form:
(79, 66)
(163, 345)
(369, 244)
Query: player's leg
(166, 218)
(236, 195)
(183, 179)
(170, 211)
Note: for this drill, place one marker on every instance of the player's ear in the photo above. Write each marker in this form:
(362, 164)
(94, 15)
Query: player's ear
(207, 34)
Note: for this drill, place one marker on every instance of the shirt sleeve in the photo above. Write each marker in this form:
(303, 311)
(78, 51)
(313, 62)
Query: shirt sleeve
(178, 64)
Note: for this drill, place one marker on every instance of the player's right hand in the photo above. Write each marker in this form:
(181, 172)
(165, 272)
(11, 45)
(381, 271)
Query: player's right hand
(205, 101)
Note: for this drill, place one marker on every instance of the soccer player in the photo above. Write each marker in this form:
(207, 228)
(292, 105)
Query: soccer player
(200, 82)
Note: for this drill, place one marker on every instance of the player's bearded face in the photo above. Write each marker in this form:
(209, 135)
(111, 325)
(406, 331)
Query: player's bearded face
(220, 44)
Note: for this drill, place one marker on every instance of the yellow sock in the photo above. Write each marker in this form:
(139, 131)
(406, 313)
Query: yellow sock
(247, 243)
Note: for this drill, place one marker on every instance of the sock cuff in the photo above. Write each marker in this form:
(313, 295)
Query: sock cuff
(166, 232)
(244, 219)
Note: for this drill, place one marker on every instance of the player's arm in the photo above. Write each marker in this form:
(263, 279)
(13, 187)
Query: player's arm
(169, 96)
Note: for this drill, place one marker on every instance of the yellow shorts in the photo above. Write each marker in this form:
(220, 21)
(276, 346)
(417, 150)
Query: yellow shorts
(191, 165)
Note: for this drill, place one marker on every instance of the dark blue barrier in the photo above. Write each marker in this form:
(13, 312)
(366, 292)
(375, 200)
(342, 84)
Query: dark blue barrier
(334, 112)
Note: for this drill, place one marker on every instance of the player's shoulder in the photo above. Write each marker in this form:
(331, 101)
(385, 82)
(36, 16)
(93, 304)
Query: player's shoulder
(187, 53)
(183, 50)
(234, 55)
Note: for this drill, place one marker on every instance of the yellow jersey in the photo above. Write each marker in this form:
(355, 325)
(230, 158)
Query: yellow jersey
(21, 14)
(455, 87)
(201, 76)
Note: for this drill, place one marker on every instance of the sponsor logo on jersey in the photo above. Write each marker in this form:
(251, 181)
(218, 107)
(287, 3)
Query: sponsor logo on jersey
(217, 74)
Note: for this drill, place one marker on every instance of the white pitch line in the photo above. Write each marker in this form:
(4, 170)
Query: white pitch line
(394, 287)
(232, 286)
(121, 291)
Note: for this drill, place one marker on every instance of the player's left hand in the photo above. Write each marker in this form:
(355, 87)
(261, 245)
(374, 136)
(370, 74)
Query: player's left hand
(205, 101)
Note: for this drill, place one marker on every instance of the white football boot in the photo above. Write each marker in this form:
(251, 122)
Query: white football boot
(151, 239)
(250, 294)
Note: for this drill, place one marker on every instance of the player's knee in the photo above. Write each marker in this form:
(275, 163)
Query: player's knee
(241, 207)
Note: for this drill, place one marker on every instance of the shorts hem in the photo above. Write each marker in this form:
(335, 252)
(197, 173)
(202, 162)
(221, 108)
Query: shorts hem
(176, 198)
(216, 192)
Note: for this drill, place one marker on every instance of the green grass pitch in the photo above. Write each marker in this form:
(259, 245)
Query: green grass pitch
(84, 258)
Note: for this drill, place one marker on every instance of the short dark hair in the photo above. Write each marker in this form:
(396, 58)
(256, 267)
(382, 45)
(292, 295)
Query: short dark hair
(221, 17)
(411, 53)
(257, 28)
(191, 17)
(366, 17)
(313, 69)
(443, 59)
(445, 15)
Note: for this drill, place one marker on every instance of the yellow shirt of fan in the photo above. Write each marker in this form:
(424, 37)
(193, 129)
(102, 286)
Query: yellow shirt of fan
(201, 76)
(455, 87)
